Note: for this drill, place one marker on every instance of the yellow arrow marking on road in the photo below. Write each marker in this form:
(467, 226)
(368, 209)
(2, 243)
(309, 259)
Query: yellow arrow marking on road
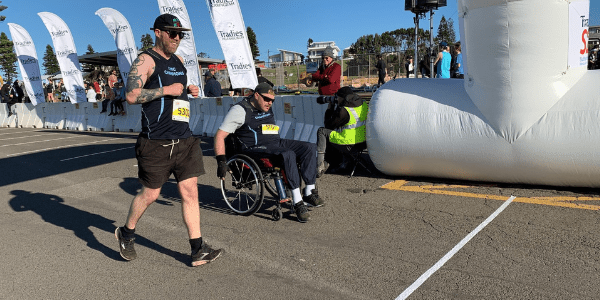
(563, 201)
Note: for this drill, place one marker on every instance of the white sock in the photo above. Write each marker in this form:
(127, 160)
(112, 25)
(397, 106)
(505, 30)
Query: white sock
(296, 196)
(308, 189)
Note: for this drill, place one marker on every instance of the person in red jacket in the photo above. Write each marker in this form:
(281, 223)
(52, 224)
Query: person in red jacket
(328, 75)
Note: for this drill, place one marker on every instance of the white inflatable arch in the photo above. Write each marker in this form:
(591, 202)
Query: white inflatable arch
(528, 110)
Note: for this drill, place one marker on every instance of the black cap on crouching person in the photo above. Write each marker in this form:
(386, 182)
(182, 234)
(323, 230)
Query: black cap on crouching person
(168, 22)
(265, 89)
(344, 92)
(208, 75)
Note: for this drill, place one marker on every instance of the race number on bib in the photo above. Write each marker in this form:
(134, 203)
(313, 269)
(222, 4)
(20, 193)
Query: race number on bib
(181, 111)
(270, 129)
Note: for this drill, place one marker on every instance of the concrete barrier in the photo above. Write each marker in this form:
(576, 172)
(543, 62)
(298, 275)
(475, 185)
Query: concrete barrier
(55, 115)
(196, 116)
(97, 121)
(75, 116)
(131, 122)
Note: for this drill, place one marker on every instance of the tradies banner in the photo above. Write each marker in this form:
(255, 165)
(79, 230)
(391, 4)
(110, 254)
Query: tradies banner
(28, 63)
(187, 46)
(579, 16)
(66, 54)
(231, 32)
(118, 26)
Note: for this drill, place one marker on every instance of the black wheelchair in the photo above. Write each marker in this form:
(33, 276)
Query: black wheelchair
(251, 174)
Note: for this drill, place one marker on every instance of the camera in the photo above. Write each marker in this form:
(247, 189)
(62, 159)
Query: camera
(326, 99)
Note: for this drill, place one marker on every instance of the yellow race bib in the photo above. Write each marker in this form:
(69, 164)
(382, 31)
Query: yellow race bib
(270, 129)
(181, 111)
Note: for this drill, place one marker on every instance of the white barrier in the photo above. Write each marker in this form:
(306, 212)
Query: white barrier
(298, 117)
(55, 115)
(75, 118)
(196, 116)
(131, 122)
(97, 121)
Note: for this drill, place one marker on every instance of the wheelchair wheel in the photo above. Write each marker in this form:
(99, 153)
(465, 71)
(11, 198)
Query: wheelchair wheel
(276, 214)
(243, 189)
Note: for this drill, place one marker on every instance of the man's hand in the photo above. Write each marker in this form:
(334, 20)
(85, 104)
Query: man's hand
(222, 167)
(175, 89)
(194, 90)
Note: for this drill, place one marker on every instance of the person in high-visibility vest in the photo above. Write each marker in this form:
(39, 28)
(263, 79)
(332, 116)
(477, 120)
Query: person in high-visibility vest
(345, 126)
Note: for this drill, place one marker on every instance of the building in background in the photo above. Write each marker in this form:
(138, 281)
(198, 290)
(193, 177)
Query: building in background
(315, 50)
(288, 58)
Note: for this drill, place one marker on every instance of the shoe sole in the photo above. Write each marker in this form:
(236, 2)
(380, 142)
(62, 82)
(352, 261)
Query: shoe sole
(204, 262)
(117, 237)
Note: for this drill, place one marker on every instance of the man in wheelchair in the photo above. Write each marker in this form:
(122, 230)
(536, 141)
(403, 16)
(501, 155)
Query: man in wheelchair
(253, 123)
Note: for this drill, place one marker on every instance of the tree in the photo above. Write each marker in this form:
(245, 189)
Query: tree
(203, 55)
(8, 57)
(50, 62)
(445, 31)
(147, 42)
(253, 43)
(310, 41)
(90, 50)
(2, 7)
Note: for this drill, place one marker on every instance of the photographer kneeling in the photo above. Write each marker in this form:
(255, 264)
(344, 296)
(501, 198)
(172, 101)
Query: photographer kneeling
(345, 127)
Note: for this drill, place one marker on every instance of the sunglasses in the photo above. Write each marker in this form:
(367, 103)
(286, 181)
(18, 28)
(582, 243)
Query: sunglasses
(267, 99)
(172, 34)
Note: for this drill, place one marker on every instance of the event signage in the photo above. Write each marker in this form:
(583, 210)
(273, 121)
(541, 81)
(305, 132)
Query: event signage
(66, 54)
(579, 15)
(28, 63)
(121, 31)
(187, 46)
(231, 32)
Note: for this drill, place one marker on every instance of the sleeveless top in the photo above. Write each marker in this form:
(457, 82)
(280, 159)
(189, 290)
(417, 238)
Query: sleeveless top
(259, 127)
(160, 118)
(443, 67)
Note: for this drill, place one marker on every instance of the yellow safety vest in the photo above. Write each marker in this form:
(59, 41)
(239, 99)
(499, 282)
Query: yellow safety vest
(355, 130)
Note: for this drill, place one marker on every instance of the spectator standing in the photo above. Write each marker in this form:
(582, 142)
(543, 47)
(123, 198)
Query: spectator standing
(460, 73)
(409, 66)
(328, 75)
(444, 58)
(381, 69)
(212, 88)
(91, 93)
(50, 91)
(261, 79)
(165, 146)
(18, 92)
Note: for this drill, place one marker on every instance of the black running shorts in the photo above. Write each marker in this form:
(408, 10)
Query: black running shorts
(158, 159)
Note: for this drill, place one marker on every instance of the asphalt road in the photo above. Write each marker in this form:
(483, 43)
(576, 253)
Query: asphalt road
(64, 192)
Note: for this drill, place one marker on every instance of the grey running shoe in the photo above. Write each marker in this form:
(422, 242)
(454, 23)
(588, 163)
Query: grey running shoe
(125, 245)
(313, 199)
(205, 255)
(301, 212)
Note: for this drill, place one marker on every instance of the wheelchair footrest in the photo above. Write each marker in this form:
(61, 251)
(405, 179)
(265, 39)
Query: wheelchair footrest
(285, 200)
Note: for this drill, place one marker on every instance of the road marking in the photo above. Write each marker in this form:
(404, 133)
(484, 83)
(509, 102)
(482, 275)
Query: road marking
(24, 137)
(563, 201)
(65, 146)
(91, 154)
(69, 137)
(454, 250)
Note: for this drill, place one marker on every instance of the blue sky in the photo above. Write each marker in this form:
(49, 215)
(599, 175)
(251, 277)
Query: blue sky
(278, 24)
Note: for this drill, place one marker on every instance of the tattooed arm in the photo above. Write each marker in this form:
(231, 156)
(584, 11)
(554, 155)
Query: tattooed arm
(141, 69)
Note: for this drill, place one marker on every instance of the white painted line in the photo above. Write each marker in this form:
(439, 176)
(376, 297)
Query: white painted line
(24, 137)
(96, 153)
(454, 250)
(70, 137)
(65, 146)
(17, 132)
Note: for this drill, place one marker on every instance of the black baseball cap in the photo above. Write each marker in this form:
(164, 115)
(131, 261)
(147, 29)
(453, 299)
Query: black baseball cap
(265, 89)
(168, 22)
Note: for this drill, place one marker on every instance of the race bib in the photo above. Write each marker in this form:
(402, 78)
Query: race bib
(270, 129)
(181, 111)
